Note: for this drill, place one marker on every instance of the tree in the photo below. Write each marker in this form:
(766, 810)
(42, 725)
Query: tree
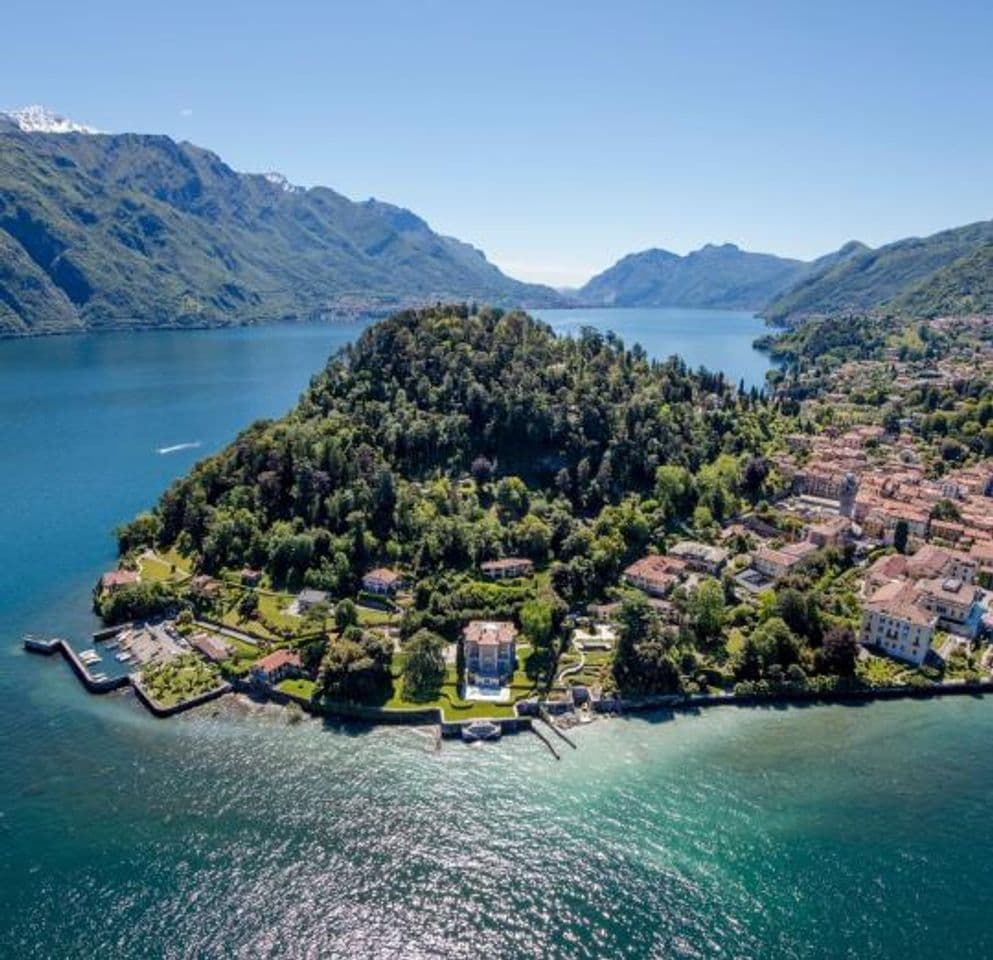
(703, 519)
(345, 614)
(143, 531)
(945, 509)
(537, 622)
(533, 537)
(754, 476)
(839, 653)
(248, 605)
(770, 644)
(138, 601)
(643, 661)
(481, 469)
(355, 666)
(706, 610)
(900, 535)
(316, 616)
(424, 669)
(800, 612)
(512, 497)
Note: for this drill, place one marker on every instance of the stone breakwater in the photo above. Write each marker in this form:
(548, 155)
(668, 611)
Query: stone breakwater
(107, 684)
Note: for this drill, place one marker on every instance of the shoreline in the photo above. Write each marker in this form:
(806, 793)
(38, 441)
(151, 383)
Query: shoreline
(521, 721)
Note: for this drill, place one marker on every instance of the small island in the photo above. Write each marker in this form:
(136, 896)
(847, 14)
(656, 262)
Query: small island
(471, 521)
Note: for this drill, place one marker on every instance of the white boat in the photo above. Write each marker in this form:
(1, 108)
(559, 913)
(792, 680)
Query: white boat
(123, 657)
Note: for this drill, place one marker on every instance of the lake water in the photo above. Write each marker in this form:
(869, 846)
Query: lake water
(715, 339)
(817, 832)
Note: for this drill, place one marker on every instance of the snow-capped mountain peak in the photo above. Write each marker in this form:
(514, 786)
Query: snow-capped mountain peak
(37, 119)
(278, 180)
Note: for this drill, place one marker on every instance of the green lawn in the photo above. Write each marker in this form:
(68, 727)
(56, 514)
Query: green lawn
(273, 606)
(302, 688)
(231, 618)
(375, 618)
(154, 567)
(242, 650)
(452, 706)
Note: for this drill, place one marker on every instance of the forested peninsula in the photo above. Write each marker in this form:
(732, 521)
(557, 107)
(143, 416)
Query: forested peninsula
(467, 511)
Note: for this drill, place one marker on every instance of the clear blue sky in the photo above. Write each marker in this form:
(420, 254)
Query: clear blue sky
(556, 136)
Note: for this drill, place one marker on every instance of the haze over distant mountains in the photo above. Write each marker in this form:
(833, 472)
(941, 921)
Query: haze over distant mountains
(106, 231)
(950, 272)
(714, 276)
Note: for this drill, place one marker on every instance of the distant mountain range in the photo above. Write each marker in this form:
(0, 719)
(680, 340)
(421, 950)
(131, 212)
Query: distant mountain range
(714, 276)
(103, 231)
(946, 273)
(108, 231)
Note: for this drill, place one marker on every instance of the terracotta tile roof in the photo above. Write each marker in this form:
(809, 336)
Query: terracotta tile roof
(489, 633)
(896, 600)
(277, 659)
(890, 567)
(982, 550)
(383, 574)
(934, 561)
(210, 646)
(655, 566)
(119, 578)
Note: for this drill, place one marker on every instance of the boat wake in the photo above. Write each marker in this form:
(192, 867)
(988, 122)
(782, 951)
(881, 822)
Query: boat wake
(179, 446)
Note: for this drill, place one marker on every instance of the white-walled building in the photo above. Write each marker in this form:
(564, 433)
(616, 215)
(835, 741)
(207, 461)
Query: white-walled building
(892, 621)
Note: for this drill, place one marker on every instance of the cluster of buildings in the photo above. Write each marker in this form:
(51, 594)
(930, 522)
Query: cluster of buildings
(908, 598)
(658, 574)
(944, 524)
(882, 490)
(853, 487)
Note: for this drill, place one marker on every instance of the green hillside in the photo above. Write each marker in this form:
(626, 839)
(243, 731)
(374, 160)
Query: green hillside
(914, 275)
(112, 231)
(965, 286)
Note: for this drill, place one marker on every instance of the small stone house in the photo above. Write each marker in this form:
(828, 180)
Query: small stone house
(308, 599)
(277, 666)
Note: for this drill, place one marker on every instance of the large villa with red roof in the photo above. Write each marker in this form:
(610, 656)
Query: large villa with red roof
(490, 651)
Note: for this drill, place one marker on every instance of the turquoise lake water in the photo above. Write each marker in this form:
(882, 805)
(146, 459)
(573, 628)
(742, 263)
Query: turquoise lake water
(230, 832)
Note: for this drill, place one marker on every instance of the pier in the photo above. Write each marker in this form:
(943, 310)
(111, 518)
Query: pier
(58, 645)
(97, 684)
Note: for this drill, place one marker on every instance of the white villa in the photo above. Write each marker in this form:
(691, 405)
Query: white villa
(892, 621)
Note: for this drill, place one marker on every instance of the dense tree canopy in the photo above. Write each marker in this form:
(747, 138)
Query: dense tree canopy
(448, 436)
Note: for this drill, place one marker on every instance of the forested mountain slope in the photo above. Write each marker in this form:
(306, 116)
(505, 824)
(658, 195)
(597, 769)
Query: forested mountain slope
(920, 275)
(446, 436)
(107, 231)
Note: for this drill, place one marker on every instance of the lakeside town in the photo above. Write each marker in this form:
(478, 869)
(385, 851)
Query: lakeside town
(919, 570)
